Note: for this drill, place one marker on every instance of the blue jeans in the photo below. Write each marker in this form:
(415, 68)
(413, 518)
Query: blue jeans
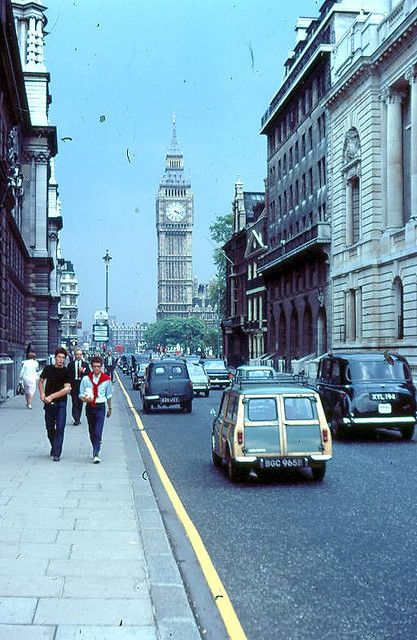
(95, 418)
(55, 419)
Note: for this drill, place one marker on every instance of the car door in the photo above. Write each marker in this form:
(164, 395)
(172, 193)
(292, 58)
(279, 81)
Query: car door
(301, 433)
(218, 425)
(179, 380)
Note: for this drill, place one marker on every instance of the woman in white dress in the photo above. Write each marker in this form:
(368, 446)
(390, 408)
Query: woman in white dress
(29, 377)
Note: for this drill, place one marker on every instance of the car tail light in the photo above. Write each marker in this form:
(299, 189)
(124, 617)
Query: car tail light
(240, 437)
(325, 433)
(230, 375)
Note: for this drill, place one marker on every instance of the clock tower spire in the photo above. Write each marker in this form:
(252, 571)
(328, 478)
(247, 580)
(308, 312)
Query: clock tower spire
(174, 226)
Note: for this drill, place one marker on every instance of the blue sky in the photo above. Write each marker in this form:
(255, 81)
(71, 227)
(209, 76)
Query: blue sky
(216, 64)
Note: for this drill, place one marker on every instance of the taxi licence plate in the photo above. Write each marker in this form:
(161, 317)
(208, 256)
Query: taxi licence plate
(173, 400)
(282, 463)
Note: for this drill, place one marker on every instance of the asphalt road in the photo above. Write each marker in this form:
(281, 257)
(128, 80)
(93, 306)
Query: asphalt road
(302, 560)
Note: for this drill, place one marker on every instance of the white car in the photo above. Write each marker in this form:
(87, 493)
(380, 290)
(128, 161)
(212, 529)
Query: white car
(199, 378)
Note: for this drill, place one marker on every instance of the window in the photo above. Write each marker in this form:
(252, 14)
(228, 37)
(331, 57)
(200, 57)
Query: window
(310, 181)
(159, 371)
(290, 165)
(300, 409)
(177, 371)
(261, 409)
(303, 145)
(310, 138)
(399, 308)
(296, 152)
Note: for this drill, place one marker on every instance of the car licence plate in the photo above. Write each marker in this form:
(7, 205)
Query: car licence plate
(282, 463)
(384, 407)
(382, 396)
(173, 400)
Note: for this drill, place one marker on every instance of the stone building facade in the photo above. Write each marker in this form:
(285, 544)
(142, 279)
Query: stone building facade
(69, 303)
(373, 151)
(296, 267)
(244, 327)
(30, 216)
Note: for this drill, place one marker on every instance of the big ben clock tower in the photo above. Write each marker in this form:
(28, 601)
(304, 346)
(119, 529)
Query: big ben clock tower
(174, 227)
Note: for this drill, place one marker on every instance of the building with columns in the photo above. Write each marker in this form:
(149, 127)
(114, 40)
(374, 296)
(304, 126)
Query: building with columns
(373, 184)
(30, 215)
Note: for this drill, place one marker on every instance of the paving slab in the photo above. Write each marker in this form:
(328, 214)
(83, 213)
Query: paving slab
(83, 548)
(67, 632)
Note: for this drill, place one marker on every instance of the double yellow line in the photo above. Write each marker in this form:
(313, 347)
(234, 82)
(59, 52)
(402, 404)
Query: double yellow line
(222, 600)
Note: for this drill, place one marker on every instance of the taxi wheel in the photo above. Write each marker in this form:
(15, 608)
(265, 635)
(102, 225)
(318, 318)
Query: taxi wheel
(235, 473)
(407, 432)
(206, 394)
(319, 472)
(146, 407)
(336, 428)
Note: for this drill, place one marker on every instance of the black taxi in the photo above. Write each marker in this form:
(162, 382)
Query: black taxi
(270, 426)
(367, 390)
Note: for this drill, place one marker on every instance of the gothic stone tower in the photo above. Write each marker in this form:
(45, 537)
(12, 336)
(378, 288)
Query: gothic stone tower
(174, 226)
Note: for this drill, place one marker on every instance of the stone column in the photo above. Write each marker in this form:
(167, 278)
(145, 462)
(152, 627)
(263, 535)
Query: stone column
(395, 213)
(411, 76)
(384, 216)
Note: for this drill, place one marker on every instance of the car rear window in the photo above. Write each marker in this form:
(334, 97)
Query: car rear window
(261, 409)
(300, 409)
(214, 364)
(159, 371)
(257, 374)
(178, 371)
(378, 370)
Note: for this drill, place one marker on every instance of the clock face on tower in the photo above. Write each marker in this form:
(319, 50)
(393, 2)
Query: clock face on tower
(175, 211)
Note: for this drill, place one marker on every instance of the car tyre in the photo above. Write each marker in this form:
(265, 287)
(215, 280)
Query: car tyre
(217, 460)
(206, 394)
(407, 432)
(234, 471)
(146, 406)
(318, 472)
(336, 427)
(187, 406)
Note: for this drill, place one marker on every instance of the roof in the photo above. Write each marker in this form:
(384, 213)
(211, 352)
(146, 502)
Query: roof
(264, 389)
(365, 355)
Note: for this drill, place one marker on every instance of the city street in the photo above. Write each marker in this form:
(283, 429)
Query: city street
(302, 560)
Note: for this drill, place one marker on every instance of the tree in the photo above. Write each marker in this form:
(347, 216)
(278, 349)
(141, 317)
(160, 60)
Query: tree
(190, 333)
(221, 231)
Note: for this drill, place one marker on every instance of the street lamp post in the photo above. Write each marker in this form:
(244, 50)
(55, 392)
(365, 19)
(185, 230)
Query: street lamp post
(107, 259)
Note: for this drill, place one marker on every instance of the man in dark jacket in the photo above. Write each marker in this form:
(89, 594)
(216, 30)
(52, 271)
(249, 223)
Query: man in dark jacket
(54, 386)
(77, 368)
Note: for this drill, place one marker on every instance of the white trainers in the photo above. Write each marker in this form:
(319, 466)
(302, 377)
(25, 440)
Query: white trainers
(96, 459)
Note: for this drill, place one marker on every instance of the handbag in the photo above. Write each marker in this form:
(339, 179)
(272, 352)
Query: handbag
(20, 390)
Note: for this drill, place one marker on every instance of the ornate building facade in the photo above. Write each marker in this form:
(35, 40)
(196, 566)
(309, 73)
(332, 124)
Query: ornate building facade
(244, 328)
(69, 303)
(174, 226)
(373, 152)
(30, 216)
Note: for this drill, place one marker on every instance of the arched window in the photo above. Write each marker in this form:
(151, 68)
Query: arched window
(351, 171)
(398, 308)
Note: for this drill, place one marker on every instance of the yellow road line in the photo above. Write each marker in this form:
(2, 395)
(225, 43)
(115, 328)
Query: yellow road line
(222, 600)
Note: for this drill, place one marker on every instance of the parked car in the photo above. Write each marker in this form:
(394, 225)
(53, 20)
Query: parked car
(267, 427)
(199, 378)
(138, 374)
(254, 373)
(218, 374)
(367, 391)
(166, 383)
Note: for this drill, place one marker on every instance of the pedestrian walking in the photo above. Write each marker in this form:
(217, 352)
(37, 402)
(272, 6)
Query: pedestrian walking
(77, 368)
(96, 390)
(29, 376)
(109, 365)
(54, 386)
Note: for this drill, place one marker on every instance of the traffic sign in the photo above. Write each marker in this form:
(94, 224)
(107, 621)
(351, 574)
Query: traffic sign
(100, 332)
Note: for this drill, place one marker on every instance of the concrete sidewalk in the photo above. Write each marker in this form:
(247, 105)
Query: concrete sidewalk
(83, 549)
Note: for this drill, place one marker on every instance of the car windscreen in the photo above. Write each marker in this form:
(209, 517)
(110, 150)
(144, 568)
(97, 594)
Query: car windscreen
(261, 409)
(214, 364)
(300, 409)
(378, 370)
(196, 372)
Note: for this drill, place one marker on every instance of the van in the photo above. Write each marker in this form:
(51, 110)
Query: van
(367, 390)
